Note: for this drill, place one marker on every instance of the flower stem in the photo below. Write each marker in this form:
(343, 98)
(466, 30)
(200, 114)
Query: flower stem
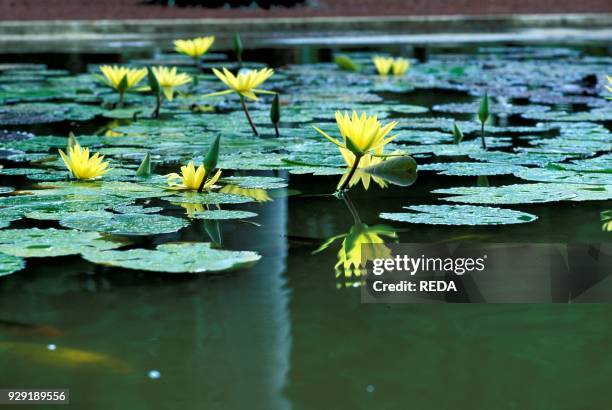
(351, 208)
(276, 130)
(246, 111)
(157, 106)
(484, 144)
(120, 102)
(201, 187)
(351, 173)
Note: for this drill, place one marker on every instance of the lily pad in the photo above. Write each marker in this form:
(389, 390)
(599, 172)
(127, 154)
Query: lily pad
(10, 264)
(222, 214)
(175, 258)
(571, 177)
(527, 193)
(459, 215)
(35, 242)
(124, 224)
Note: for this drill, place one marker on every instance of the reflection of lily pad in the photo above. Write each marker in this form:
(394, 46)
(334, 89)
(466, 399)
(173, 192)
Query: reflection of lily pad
(175, 258)
(124, 224)
(35, 242)
(459, 215)
(10, 264)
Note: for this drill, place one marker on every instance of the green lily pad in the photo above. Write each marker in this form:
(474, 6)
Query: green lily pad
(208, 198)
(470, 168)
(256, 182)
(527, 193)
(222, 214)
(571, 177)
(459, 215)
(35, 242)
(124, 224)
(175, 258)
(10, 264)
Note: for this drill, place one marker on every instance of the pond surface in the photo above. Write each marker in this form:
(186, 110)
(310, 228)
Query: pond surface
(289, 330)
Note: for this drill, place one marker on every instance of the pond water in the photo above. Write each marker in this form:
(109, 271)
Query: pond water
(289, 330)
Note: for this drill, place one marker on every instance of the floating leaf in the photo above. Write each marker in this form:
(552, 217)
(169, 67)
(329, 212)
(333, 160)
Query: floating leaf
(222, 214)
(10, 264)
(175, 258)
(526, 193)
(459, 215)
(124, 224)
(570, 177)
(34, 242)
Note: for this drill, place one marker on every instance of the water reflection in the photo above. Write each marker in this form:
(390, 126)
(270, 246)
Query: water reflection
(258, 194)
(362, 243)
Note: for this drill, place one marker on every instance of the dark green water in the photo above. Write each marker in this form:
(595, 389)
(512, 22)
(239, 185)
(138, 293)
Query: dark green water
(288, 334)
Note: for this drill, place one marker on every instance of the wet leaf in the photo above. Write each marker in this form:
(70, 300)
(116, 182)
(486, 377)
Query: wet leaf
(35, 242)
(459, 215)
(175, 258)
(124, 224)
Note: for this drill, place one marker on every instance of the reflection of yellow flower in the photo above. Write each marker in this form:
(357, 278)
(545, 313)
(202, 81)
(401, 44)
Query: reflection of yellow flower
(606, 221)
(245, 83)
(361, 134)
(366, 161)
(361, 244)
(191, 209)
(168, 79)
(400, 66)
(382, 64)
(194, 47)
(191, 178)
(113, 76)
(81, 165)
(609, 85)
(258, 194)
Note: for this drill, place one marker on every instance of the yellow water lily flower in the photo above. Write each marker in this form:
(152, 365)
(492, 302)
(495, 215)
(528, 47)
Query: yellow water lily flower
(194, 47)
(400, 66)
(81, 165)
(168, 79)
(361, 134)
(113, 76)
(191, 178)
(121, 79)
(244, 83)
(382, 64)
